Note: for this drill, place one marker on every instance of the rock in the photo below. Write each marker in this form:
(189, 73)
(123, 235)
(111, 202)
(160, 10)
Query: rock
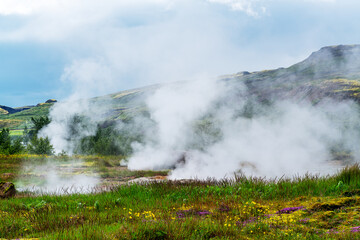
(51, 101)
(244, 73)
(146, 180)
(7, 189)
(47, 102)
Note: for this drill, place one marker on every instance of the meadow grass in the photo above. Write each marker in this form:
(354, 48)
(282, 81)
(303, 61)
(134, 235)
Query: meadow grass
(17, 133)
(308, 207)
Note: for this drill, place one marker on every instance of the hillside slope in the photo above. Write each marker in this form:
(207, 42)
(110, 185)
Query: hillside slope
(331, 72)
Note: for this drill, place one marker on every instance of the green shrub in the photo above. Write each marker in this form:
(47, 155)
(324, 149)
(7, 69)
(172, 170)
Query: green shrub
(40, 146)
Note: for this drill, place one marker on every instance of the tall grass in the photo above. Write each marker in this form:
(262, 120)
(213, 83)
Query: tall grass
(350, 175)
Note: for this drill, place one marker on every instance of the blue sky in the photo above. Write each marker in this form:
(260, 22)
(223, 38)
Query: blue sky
(84, 48)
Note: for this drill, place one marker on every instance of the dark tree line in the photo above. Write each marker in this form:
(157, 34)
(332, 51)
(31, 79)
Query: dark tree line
(30, 142)
(107, 140)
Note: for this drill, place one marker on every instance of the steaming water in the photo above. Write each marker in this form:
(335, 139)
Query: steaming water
(58, 178)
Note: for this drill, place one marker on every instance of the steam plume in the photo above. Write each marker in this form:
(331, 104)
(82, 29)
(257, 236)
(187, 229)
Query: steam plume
(285, 138)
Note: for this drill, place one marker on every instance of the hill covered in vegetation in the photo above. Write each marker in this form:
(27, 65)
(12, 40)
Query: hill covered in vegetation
(332, 72)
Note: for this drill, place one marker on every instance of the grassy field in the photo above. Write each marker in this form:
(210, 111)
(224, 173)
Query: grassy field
(17, 133)
(306, 207)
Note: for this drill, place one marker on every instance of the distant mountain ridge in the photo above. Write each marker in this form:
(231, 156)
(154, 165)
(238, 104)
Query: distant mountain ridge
(7, 110)
(332, 72)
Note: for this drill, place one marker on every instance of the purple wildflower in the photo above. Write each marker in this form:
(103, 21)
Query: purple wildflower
(332, 231)
(246, 222)
(180, 215)
(191, 212)
(289, 210)
(305, 220)
(203, 213)
(224, 208)
(355, 229)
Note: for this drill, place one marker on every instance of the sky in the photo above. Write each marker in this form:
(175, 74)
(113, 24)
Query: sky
(58, 48)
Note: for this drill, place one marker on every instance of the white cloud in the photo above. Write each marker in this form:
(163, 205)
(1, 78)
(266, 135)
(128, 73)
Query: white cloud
(143, 41)
(26, 7)
(250, 7)
(321, 1)
(57, 20)
(137, 41)
(19, 7)
(255, 8)
(50, 20)
(151, 41)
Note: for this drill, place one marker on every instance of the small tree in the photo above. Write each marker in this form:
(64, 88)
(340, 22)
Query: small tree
(38, 123)
(40, 146)
(7, 146)
(26, 137)
(5, 141)
(16, 147)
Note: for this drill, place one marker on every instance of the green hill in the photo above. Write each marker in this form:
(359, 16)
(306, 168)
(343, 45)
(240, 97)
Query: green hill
(19, 119)
(331, 72)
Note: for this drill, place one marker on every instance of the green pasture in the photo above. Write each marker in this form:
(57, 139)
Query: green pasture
(16, 132)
